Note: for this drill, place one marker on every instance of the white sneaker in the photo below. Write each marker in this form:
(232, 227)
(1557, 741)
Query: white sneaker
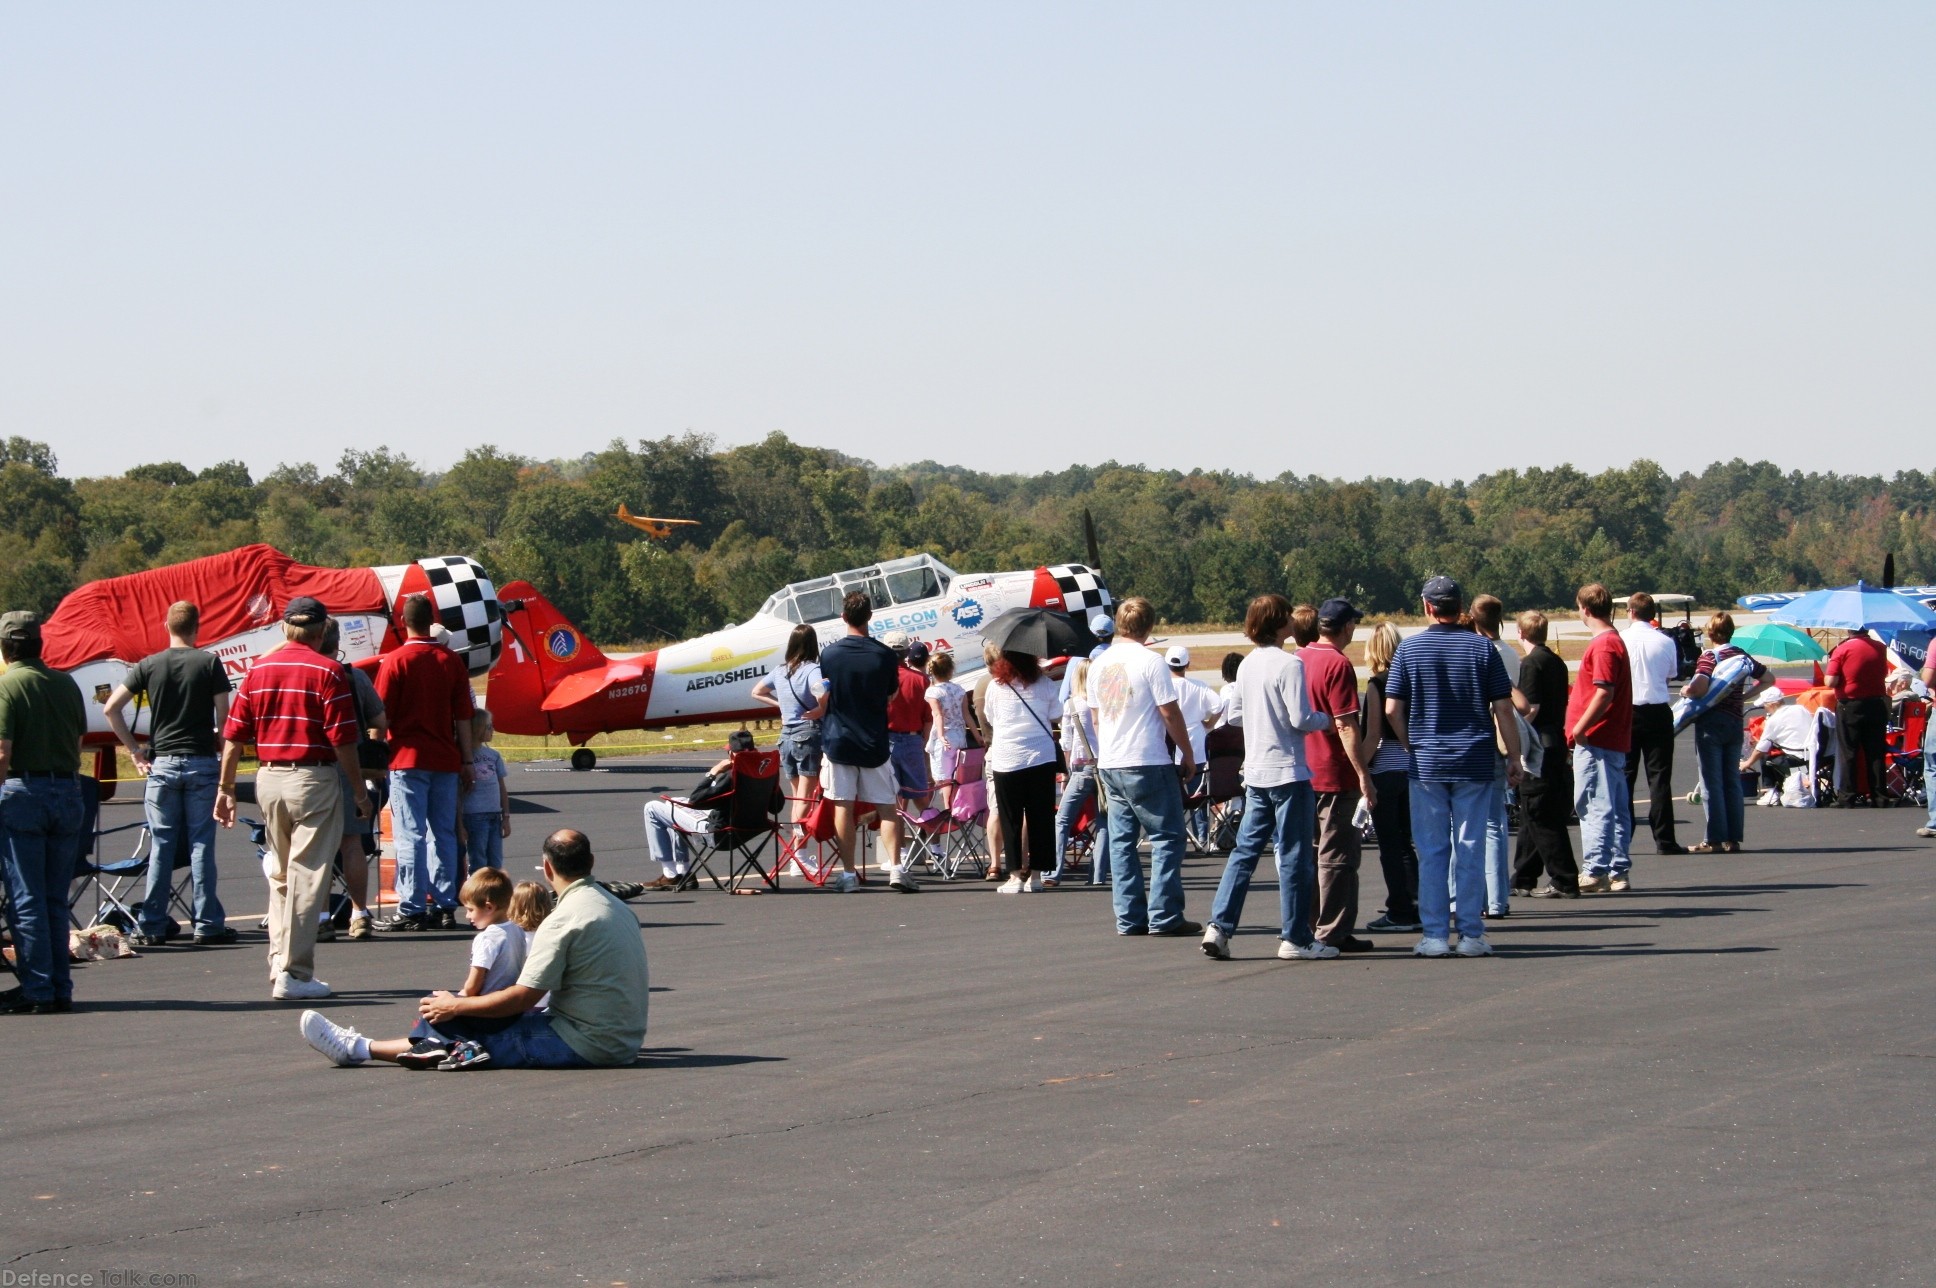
(333, 1040)
(1032, 886)
(1474, 946)
(903, 880)
(1011, 886)
(1216, 944)
(1430, 947)
(290, 989)
(1315, 951)
(844, 882)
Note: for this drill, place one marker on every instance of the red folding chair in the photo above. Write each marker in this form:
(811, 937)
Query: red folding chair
(811, 849)
(750, 821)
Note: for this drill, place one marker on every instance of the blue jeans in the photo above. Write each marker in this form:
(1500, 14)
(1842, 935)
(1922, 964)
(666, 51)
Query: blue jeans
(1284, 817)
(528, 1042)
(1717, 740)
(40, 840)
(1498, 850)
(1929, 770)
(423, 811)
(1449, 833)
(484, 841)
(1148, 798)
(180, 803)
(1077, 791)
(1606, 812)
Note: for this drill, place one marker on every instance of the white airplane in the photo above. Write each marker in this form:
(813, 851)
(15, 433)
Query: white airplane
(553, 681)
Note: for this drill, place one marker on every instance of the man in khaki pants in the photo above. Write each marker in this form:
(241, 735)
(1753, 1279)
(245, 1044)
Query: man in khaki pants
(296, 707)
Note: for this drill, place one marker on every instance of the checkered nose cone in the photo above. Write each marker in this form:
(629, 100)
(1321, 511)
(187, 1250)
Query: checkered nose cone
(467, 607)
(1083, 590)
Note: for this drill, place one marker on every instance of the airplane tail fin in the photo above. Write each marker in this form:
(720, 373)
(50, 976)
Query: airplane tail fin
(541, 647)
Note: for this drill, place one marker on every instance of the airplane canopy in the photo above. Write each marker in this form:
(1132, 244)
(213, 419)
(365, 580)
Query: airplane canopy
(892, 581)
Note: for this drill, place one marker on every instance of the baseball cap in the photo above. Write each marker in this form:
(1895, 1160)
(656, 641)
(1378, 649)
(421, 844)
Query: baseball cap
(896, 640)
(1770, 697)
(1338, 612)
(304, 611)
(917, 651)
(20, 626)
(1177, 655)
(1442, 590)
(1102, 626)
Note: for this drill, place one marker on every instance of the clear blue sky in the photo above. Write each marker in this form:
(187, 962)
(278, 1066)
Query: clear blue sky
(1423, 240)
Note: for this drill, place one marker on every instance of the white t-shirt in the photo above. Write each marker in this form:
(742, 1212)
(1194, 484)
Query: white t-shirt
(1230, 708)
(1652, 660)
(1509, 658)
(500, 950)
(1277, 713)
(1126, 686)
(1791, 728)
(1198, 702)
(1022, 716)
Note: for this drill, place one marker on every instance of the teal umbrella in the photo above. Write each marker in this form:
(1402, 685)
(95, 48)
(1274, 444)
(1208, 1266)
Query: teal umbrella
(1778, 643)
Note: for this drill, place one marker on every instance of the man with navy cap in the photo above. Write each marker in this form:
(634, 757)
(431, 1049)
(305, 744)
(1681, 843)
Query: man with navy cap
(1446, 697)
(296, 708)
(42, 814)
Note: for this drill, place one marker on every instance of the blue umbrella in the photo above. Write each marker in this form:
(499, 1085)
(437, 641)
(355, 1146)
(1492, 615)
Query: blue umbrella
(1860, 607)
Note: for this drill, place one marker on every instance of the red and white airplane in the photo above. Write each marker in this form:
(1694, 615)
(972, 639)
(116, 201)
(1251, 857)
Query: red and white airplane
(553, 681)
(101, 629)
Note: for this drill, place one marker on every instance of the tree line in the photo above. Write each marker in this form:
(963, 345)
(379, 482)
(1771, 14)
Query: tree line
(1199, 545)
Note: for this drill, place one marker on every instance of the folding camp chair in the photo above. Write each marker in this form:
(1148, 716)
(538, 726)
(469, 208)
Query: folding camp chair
(119, 884)
(750, 822)
(1904, 779)
(965, 837)
(810, 848)
(1224, 784)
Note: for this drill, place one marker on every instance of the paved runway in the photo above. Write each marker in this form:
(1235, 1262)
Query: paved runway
(1721, 1078)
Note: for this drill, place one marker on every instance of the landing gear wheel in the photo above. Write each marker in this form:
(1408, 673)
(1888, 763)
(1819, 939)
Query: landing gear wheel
(583, 759)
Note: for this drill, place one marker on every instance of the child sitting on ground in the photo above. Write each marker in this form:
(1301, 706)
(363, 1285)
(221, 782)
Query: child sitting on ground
(497, 956)
(531, 903)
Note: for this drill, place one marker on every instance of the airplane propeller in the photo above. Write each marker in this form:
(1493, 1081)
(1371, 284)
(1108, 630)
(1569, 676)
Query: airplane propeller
(1089, 538)
(1889, 571)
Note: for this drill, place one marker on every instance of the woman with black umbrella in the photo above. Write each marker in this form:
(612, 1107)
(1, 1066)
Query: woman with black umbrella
(1021, 709)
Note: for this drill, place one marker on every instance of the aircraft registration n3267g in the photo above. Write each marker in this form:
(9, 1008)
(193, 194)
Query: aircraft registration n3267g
(552, 680)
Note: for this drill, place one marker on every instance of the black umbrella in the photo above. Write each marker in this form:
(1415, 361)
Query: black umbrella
(1036, 631)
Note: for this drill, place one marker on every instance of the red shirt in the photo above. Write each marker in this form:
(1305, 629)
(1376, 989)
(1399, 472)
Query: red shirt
(907, 710)
(1604, 667)
(425, 691)
(295, 704)
(1863, 665)
(1333, 683)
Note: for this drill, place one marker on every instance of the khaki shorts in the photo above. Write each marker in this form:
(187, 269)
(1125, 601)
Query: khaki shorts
(872, 785)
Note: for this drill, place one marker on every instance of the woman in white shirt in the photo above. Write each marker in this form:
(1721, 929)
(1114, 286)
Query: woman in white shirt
(948, 733)
(1021, 711)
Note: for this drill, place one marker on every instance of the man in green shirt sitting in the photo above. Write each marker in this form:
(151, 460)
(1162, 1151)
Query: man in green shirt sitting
(587, 954)
(42, 719)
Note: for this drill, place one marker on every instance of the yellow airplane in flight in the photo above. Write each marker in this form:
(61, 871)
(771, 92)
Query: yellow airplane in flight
(657, 529)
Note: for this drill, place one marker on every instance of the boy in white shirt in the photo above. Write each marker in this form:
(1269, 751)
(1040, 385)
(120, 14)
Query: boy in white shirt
(497, 957)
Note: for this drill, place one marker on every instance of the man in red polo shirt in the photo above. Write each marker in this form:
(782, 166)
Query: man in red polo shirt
(1338, 775)
(426, 692)
(1599, 725)
(1858, 671)
(295, 707)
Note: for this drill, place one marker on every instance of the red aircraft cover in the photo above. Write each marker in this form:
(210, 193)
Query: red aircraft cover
(243, 590)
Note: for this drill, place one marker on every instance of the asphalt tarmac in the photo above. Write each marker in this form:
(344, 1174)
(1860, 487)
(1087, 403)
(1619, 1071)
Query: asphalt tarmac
(1720, 1078)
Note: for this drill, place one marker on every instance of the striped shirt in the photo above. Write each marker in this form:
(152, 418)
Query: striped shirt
(294, 704)
(1448, 678)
